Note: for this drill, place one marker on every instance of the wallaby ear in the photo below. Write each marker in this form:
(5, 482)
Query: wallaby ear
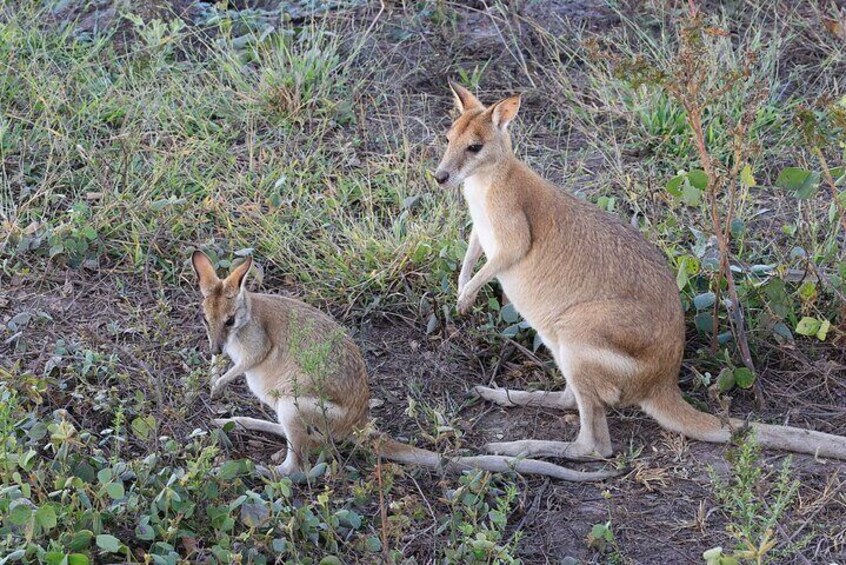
(237, 279)
(504, 111)
(205, 272)
(464, 99)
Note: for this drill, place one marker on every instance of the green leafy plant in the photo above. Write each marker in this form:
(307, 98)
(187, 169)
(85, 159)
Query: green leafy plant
(754, 506)
(477, 524)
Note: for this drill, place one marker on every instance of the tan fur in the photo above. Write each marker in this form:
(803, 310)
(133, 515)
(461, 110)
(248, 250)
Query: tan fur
(300, 362)
(599, 295)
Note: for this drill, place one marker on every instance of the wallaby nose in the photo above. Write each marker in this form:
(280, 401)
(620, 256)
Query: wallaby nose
(441, 176)
(217, 349)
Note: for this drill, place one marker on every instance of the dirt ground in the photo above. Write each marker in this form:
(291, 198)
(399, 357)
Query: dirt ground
(662, 511)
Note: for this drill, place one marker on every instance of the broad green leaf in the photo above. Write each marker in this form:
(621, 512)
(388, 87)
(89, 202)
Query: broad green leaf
(713, 556)
(144, 531)
(691, 195)
(349, 518)
(318, 470)
(509, 314)
(809, 187)
(808, 326)
(782, 332)
(744, 377)
(726, 380)
(108, 543)
(279, 545)
(704, 322)
(81, 540)
(46, 517)
(90, 233)
(373, 544)
(19, 512)
(144, 427)
(52, 558)
(230, 470)
(799, 181)
(698, 179)
(27, 459)
(16, 555)
(78, 559)
(779, 300)
(115, 490)
(682, 278)
(674, 186)
(511, 330)
(792, 178)
(704, 300)
(104, 475)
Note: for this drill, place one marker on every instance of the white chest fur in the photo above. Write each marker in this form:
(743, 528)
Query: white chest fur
(233, 350)
(475, 194)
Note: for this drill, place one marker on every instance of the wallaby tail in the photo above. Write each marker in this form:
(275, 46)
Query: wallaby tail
(402, 453)
(675, 414)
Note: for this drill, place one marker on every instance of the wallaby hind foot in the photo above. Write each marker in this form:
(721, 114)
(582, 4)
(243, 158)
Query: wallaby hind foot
(560, 400)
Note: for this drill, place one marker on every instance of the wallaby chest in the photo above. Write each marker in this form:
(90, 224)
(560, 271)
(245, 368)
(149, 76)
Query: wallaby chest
(476, 196)
(255, 375)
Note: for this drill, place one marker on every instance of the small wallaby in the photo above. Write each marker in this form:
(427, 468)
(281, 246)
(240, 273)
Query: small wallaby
(599, 295)
(300, 363)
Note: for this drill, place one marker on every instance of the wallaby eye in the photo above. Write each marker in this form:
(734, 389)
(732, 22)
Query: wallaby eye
(475, 148)
(229, 322)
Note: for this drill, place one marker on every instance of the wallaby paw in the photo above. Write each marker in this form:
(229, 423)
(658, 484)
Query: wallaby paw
(277, 472)
(287, 468)
(215, 368)
(465, 302)
(496, 395)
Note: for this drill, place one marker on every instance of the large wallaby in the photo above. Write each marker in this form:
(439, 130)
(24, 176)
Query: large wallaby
(300, 362)
(599, 295)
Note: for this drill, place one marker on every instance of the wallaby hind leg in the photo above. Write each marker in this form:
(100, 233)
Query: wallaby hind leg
(257, 425)
(291, 419)
(253, 424)
(308, 422)
(561, 400)
(593, 439)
